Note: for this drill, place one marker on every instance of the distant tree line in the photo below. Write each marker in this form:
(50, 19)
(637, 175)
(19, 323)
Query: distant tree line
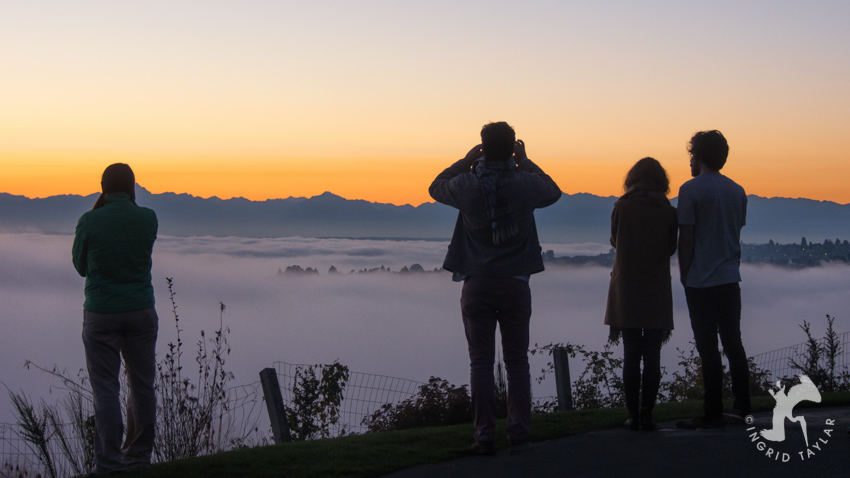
(412, 269)
(804, 254)
(796, 256)
(604, 260)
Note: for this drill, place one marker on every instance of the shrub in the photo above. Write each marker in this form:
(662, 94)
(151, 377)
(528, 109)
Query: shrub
(819, 358)
(437, 403)
(68, 424)
(190, 415)
(599, 385)
(314, 410)
(9, 470)
(687, 381)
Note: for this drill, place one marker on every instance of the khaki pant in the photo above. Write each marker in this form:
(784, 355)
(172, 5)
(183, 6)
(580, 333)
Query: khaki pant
(108, 338)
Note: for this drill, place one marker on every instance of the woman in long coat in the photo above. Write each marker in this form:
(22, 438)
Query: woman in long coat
(640, 297)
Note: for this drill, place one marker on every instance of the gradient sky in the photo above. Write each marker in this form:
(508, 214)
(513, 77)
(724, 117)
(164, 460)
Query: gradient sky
(372, 99)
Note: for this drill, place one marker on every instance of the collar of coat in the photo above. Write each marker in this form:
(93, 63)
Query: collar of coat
(645, 193)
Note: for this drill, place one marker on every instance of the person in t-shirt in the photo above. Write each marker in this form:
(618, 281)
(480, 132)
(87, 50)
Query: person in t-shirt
(711, 211)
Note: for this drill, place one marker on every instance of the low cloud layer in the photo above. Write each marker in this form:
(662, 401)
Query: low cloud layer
(406, 326)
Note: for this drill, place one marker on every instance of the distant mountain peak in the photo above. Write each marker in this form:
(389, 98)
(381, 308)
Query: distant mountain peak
(328, 194)
(141, 191)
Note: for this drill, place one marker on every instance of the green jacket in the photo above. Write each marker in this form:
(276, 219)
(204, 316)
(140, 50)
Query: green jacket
(112, 250)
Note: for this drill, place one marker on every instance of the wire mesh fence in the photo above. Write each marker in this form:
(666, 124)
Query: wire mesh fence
(364, 394)
(15, 453)
(243, 421)
(239, 423)
(778, 362)
(19, 458)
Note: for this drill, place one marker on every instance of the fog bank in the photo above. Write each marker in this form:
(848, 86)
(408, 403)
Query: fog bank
(390, 324)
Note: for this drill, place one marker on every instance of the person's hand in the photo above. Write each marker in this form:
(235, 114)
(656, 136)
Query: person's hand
(519, 151)
(474, 153)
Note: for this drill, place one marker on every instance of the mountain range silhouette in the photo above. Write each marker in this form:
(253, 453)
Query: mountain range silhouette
(575, 218)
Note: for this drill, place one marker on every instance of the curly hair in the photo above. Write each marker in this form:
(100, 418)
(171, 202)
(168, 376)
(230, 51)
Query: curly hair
(710, 148)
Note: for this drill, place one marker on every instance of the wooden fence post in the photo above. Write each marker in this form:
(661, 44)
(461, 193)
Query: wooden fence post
(562, 379)
(274, 403)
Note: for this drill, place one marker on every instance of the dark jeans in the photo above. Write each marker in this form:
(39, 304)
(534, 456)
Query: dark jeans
(641, 344)
(108, 338)
(485, 302)
(717, 310)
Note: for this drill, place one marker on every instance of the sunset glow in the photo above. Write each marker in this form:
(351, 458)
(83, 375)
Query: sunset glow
(371, 100)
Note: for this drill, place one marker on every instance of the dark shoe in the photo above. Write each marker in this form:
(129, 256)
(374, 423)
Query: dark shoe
(646, 423)
(735, 416)
(483, 448)
(519, 443)
(701, 423)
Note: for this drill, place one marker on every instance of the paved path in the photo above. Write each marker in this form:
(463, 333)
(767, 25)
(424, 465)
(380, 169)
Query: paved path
(670, 452)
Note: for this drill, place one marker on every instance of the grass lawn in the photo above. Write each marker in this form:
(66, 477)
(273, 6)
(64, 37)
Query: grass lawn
(375, 454)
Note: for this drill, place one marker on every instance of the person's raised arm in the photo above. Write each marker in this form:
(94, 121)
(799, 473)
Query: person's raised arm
(519, 152)
(547, 191)
(441, 189)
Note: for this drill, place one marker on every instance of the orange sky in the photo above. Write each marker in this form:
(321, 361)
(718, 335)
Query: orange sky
(398, 181)
(371, 101)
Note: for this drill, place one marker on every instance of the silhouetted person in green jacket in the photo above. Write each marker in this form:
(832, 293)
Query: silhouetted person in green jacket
(112, 250)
